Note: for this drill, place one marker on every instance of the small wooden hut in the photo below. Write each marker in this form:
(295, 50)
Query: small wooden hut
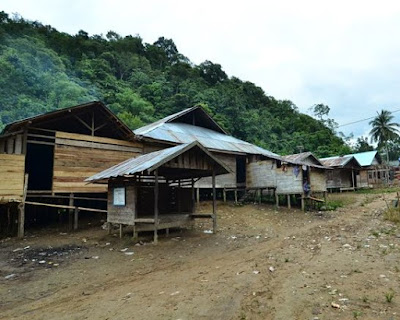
(343, 177)
(156, 190)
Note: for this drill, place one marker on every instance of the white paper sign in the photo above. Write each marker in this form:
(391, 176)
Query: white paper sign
(119, 197)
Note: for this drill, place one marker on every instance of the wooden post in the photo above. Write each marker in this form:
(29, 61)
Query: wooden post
(260, 196)
(156, 206)
(179, 197)
(352, 178)
(303, 206)
(224, 195)
(70, 211)
(214, 203)
(288, 202)
(198, 196)
(236, 197)
(21, 210)
(76, 217)
(276, 199)
(193, 197)
(135, 215)
(120, 230)
(109, 227)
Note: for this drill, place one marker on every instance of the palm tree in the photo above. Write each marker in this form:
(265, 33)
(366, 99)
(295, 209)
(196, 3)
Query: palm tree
(384, 130)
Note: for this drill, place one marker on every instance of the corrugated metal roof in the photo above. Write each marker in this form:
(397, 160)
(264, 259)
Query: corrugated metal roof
(338, 161)
(151, 161)
(185, 133)
(301, 158)
(366, 158)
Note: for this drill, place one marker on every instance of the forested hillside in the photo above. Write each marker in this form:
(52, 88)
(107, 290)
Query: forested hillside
(43, 69)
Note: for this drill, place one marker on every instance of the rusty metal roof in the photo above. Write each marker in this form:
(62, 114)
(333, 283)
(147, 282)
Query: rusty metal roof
(175, 132)
(147, 163)
(302, 157)
(340, 161)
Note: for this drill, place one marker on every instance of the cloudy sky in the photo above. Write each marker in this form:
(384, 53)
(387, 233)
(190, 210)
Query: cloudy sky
(345, 54)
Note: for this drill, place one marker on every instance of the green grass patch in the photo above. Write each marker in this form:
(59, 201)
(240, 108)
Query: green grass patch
(392, 214)
(378, 190)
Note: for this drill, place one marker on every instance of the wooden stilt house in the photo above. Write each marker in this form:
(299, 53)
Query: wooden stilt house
(343, 177)
(156, 190)
(57, 151)
(194, 124)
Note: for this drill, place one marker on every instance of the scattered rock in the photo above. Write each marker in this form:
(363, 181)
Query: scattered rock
(335, 305)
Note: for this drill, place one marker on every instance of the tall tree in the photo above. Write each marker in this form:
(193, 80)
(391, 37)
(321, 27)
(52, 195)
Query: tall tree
(384, 130)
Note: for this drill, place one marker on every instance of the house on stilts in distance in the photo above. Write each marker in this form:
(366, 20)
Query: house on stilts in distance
(343, 177)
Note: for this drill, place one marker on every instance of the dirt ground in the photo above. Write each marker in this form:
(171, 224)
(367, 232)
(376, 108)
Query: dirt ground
(264, 263)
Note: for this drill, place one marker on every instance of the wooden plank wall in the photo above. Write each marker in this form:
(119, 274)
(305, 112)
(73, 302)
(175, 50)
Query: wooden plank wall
(77, 157)
(339, 178)
(11, 145)
(224, 180)
(261, 174)
(12, 169)
(122, 214)
(317, 180)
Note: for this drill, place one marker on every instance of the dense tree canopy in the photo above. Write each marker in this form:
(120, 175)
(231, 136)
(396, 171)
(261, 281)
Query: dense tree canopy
(44, 69)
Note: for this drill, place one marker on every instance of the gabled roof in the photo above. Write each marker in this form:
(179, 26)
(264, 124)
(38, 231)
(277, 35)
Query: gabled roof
(152, 161)
(49, 118)
(367, 158)
(171, 130)
(195, 116)
(341, 162)
(305, 157)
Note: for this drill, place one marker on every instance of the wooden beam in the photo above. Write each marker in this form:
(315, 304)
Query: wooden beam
(156, 206)
(21, 210)
(63, 206)
(179, 197)
(70, 211)
(193, 197)
(214, 203)
(83, 122)
(76, 217)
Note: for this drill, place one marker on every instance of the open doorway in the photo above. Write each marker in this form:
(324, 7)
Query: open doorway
(39, 165)
(241, 170)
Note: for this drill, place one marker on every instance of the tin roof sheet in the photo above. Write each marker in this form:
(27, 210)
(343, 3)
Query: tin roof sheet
(150, 161)
(185, 133)
(366, 158)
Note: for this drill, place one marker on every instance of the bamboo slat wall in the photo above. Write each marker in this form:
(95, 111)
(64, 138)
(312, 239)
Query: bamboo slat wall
(287, 182)
(261, 174)
(318, 180)
(224, 180)
(12, 168)
(77, 157)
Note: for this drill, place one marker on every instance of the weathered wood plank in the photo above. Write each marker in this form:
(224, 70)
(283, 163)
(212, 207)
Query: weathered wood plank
(72, 165)
(96, 145)
(83, 137)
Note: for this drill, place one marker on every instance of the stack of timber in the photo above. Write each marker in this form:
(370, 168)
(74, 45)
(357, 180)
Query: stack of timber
(78, 156)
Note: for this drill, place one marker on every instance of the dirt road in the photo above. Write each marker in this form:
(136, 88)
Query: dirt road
(262, 264)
